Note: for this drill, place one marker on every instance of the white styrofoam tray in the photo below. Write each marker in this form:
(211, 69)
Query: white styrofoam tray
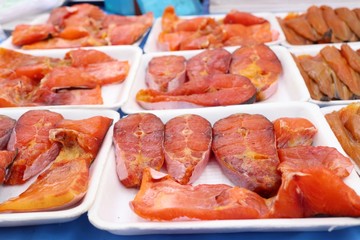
(330, 109)
(111, 211)
(291, 87)
(313, 50)
(114, 95)
(284, 41)
(96, 170)
(42, 18)
(151, 42)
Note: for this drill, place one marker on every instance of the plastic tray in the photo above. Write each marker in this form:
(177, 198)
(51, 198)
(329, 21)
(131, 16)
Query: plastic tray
(291, 87)
(96, 170)
(314, 50)
(111, 211)
(114, 95)
(151, 42)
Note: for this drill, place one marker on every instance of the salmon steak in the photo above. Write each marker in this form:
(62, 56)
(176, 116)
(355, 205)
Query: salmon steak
(217, 90)
(245, 147)
(138, 140)
(292, 132)
(208, 62)
(166, 73)
(161, 198)
(7, 125)
(30, 138)
(260, 64)
(187, 146)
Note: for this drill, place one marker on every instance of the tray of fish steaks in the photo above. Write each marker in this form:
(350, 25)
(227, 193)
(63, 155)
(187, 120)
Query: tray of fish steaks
(217, 77)
(264, 167)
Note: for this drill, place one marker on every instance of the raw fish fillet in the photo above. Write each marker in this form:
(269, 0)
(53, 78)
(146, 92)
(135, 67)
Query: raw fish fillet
(163, 199)
(292, 132)
(296, 159)
(217, 90)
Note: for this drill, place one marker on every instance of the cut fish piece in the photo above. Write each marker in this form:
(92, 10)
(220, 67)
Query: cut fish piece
(260, 64)
(162, 199)
(166, 73)
(339, 64)
(217, 90)
(207, 63)
(296, 159)
(7, 125)
(138, 140)
(30, 139)
(245, 147)
(187, 146)
(292, 132)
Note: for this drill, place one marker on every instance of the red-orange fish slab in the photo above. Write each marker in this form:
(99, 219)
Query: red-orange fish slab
(291, 132)
(138, 140)
(6, 127)
(60, 186)
(74, 97)
(314, 192)
(245, 147)
(30, 139)
(217, 90)
(244, 18)
(6, 158)
(207, 63)
(83, 57)
(187, 147)
(260, 64)
(333, 198)
(26, 34)
(88, 134)
(166, 73)
(295, 159)
(162, 199)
